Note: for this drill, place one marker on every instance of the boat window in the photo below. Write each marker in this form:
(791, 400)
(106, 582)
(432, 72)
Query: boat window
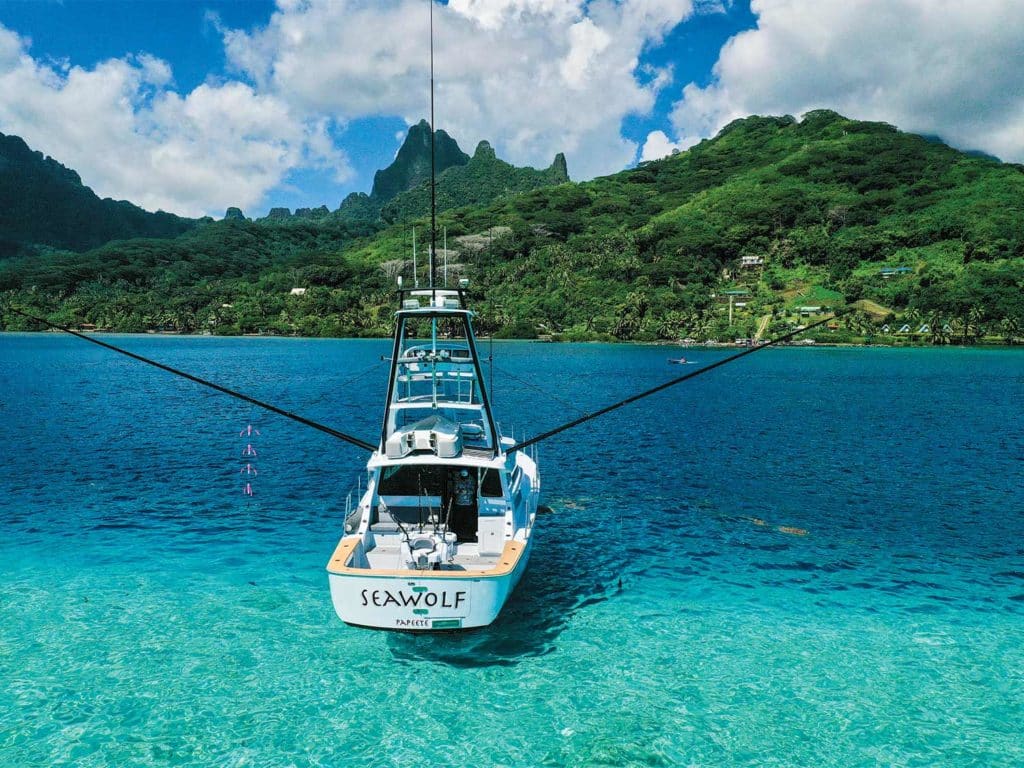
(411, 480)
(490, 485)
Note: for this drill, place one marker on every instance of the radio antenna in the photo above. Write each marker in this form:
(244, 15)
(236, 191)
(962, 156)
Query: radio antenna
(433, 178)
(415, 271)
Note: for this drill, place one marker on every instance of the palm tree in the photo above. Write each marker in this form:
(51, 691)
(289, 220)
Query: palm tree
(913, 317)
(860, 322)
(973, 327)
(632, 315)
(700, 325)
(937, 332)
(670, 325)
(958, 329)
(1009, 328)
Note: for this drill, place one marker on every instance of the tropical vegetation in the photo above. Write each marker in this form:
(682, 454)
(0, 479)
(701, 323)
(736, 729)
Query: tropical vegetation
(771, 224)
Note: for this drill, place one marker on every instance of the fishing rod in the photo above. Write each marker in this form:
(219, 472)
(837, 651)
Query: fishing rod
(588, 416)
(252, 400)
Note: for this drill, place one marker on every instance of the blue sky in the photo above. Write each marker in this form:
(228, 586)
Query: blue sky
(194, 106)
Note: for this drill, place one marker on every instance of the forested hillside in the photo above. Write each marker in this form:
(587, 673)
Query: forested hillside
(44, 206)
(771, 222)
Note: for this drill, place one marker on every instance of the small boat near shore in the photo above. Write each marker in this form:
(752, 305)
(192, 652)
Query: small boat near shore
(681, 361)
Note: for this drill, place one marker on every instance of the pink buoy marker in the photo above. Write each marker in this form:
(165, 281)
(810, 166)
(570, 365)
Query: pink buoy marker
(249, 452)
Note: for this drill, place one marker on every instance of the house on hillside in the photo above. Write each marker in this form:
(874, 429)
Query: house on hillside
(730, 297)
(887, 272)
(297, 292)
(751, 261)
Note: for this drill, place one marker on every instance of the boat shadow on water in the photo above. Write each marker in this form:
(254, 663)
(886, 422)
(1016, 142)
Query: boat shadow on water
(570, 573)
(565, 580)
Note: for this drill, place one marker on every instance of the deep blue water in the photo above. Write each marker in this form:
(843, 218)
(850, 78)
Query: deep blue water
(811, 557)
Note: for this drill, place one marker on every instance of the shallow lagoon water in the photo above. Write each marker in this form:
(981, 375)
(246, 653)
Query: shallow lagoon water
(812, 557)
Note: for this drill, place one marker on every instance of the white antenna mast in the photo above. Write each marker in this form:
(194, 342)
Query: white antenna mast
(433, 169)
(415, 273)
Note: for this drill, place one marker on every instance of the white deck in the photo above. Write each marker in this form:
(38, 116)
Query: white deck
(386, 555)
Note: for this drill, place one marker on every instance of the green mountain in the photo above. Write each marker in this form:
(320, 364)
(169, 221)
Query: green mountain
(483, 179)
(410, 169)
(766, 225)
(402, 190)
(778, 213)
(359, 206)
(44, 205)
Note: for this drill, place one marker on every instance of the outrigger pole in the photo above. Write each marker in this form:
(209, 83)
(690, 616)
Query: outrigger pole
(588, 416)
(252, 400)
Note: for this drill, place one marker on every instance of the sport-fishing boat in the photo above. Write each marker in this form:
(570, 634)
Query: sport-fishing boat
(442, 533)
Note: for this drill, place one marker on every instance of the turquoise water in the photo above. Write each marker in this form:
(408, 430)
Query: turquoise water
(812, 557)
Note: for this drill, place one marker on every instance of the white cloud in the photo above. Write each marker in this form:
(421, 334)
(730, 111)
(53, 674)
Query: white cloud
(954, 68)
(11, 46)
(492, 14)
(129, 136)
(658, 145)
(586, 42)
(534, 77)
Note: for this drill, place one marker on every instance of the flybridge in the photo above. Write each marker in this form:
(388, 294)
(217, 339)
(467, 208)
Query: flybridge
(436, 402)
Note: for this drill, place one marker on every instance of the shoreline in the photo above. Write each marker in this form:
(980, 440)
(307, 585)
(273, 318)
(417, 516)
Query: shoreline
(666, 344)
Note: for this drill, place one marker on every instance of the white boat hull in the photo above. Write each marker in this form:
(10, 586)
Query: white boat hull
(417, 601)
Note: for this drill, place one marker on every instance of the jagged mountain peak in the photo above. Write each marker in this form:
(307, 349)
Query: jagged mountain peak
(411, 166)
(484, 149)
